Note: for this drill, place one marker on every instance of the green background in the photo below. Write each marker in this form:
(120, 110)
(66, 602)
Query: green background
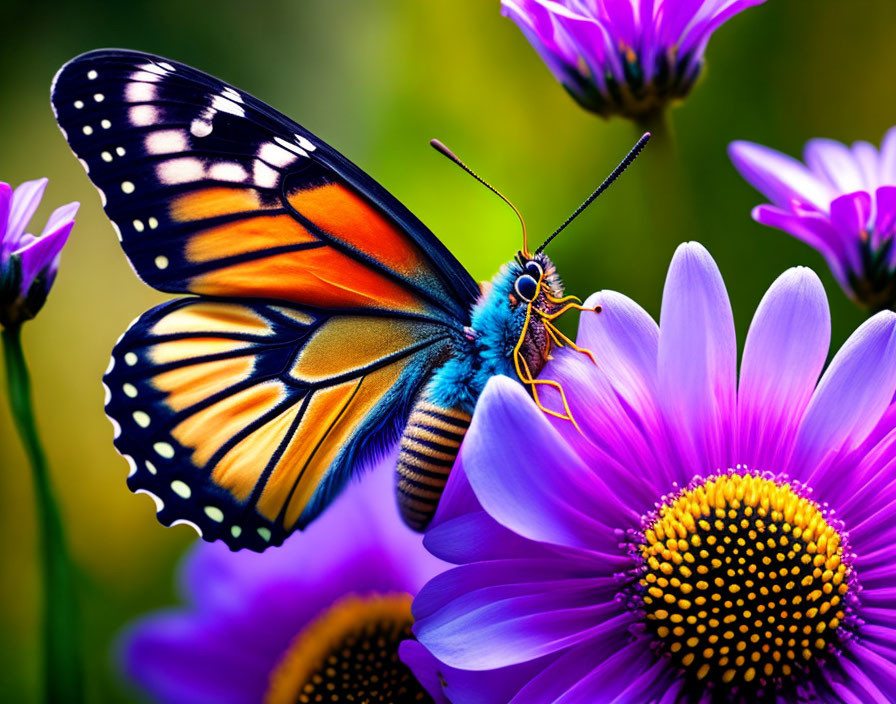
(377, 80)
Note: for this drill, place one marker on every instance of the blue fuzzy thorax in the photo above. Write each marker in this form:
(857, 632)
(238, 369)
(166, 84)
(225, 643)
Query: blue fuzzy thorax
(496, 328)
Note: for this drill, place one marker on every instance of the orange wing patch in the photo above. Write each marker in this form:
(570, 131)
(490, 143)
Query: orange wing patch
(213, 317)
(239, 469)
(187, 386)
(214, 202)
(206, 432)
(244, 236)
(360, 346)
(321, 277)
(324, 410)
(353, 221)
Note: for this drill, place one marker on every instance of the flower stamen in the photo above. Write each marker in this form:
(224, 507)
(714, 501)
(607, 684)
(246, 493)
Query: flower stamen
(744, 579)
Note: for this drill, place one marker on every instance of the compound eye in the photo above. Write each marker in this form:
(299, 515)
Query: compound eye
(533, 269)
(526, 287)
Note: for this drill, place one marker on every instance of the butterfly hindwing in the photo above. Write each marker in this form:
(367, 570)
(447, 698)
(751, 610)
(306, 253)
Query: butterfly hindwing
(213, 192)
(245, 417)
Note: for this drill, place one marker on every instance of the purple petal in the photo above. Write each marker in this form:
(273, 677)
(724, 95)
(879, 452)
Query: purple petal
(888, 158)
(885, 214)
(624, 450)
(625, 340)
(852, 396)
(778, 177)
(5, 205)
(506, 624)
(567, 670)
(850, 215)
(519, 576)
(698, 360)
(868, 162)
(61, 215)
(496, 686)
(874, 672)
(630, 675)
(181, 660)
(702, 28)
(815, 230)
(835, 163)
(425, 668)
(550, 495)
(785, 351)
(42, 254)
(25, 200)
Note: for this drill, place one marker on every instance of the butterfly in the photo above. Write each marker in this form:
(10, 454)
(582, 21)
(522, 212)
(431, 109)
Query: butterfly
(322, 321)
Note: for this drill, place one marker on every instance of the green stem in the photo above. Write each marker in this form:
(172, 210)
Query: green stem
(62, 675)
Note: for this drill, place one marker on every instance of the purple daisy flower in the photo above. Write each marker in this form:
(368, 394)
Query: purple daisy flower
(842, 202)
(28, 264)
(703, 539)
(321, 615)
(623, 57)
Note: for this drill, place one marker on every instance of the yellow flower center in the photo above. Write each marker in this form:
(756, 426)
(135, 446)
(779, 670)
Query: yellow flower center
(744, 580)
(350, 654)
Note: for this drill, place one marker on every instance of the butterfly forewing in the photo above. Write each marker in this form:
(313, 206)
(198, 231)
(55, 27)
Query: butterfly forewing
(213, 192)
(322, 304)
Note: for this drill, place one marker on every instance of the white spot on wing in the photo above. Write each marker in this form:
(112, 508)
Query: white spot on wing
(98, 97)
(79, 104)
(145, 76)
(154, 68)
(305, 143)
(132, 466)
(228, 171)
(224, 104)
(166, 142)
(292, 147)
(91, 75)
(183, 170)
(200, 128)
(165, 65)
(138, 225)
(106, 156)
(264, 176)
(87, 129)
(127, 187)
(161, 262)
(119, 151)
(143, 115)
(153, 223)
(139, 92)
(105, 124)
(275, 156)
(229, 92)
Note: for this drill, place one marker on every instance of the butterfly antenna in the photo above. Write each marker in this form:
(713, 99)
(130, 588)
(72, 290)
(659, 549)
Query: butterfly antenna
(445, 151)
(623, 165)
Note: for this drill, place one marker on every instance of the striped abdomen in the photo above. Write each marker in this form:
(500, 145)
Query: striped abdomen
(429, 446)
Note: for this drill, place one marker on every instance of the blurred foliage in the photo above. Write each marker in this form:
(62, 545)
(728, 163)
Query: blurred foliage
(378, 80)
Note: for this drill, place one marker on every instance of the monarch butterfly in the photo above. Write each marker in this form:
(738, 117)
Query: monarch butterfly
(325, 320)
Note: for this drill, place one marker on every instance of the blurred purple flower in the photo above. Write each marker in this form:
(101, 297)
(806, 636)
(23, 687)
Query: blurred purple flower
(842, 202)
(28, 264)
(271, 626)
(623, 57)
(700, 541)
